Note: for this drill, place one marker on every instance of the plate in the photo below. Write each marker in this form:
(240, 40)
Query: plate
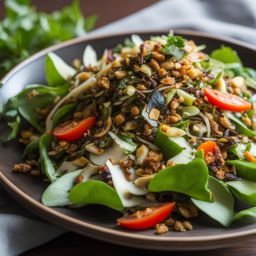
(95, 221)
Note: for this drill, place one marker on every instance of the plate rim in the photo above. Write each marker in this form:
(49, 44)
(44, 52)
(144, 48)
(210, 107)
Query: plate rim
(50, 213)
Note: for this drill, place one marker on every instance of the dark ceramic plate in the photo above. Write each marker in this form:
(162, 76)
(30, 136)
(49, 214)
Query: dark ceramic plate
(99, 222)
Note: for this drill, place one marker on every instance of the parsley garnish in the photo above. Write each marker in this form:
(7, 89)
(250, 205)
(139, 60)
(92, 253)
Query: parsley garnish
(174, 46)
(24, 30)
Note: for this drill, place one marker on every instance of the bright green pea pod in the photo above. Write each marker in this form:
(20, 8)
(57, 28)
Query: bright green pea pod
(47, 165)
(244, 190)
(188, 98)
(244, 169)
(238, 150)
(190, 179)
(250, 212)
(240, 126)
(168, 147)
(95, 192)
(221, 208)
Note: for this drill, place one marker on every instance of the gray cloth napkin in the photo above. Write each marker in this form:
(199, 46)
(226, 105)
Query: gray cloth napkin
(20, 230)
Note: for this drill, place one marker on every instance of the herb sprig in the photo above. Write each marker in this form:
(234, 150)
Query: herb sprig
(25, 31)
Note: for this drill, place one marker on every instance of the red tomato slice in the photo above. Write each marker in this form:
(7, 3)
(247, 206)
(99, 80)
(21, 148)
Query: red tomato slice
(227, 101)
(74, 130)
(209, 146)
(147, 218)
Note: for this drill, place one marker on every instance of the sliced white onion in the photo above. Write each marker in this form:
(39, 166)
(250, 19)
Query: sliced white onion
(104, 70)
(123, 144)
(66, 166)
(89, 57)
(146, 117)
(207, 123)
(137, 40)
(88, 171)
(115, 152)
(124, 187)
(149, 144)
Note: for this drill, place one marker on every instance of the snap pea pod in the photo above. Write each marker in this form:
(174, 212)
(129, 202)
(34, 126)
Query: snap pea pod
(168, 147)
(190, 179)
(250, 212)
(95, 192)
(240, 126)
(221, 209)
(244, 168)
(244, 190)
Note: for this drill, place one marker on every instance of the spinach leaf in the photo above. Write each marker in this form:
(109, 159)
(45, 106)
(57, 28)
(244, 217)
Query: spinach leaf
(56, 70)
(47, 165)
(221, 208)
(57, 193)
(167, 146)
(62, 112)
(95, 192)
(244, 190)
(226, 55)
(244, 169)
(174, 47)
(14, 129)
(33, 98)
(190, 179)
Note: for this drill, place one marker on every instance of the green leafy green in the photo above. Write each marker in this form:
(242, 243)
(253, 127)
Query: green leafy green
(226, 55)
(244, 190)
(190, 179)
(30, 148)
(57, 193)
(56, 70)
(174, 46)
(38, 96)
(95, 192)
(62, 112)
(250, 212)
(221, 208)
(14, 129)
(47, 165)
(168, 147)
(244, 168)
(24, 30)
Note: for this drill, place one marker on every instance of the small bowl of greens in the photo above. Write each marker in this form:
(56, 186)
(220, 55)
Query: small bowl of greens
(144, 139)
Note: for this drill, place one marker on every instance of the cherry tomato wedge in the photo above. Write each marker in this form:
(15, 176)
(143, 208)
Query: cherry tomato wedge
(71, 131)
(147, 218)
(209, 146)
(226, 101)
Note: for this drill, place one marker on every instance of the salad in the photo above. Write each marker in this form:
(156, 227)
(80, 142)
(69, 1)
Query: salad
(157, 130)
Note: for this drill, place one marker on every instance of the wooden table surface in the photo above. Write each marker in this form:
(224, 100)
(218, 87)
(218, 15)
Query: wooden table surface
(74, 244)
